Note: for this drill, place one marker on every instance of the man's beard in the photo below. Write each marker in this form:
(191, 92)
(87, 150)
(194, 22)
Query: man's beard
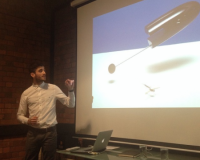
(39, 80)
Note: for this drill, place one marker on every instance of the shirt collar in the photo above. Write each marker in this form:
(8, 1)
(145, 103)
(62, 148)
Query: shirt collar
(41, 85)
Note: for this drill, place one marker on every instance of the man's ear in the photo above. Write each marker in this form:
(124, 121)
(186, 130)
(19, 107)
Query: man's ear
(32, 75)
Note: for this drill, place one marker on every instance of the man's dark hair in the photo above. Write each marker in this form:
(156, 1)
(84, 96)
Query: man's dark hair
(34, 65)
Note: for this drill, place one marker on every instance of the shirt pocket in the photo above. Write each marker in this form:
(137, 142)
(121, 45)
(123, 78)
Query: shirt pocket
(48, 98)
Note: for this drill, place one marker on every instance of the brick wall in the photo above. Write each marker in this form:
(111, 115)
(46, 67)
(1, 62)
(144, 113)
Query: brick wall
(25, 34)
(23, 37)
(12, 148)
(65, 21)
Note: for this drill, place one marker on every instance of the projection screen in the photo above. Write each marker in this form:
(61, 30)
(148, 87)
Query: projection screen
(138, 71)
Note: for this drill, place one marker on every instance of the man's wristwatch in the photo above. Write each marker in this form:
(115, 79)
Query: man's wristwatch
(71, 90)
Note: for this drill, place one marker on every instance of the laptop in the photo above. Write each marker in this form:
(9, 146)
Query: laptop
(100, 144)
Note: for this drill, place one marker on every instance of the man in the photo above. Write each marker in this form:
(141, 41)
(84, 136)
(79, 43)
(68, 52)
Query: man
(40, 102)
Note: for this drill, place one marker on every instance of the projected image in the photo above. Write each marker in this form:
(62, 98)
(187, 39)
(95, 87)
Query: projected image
(147, 57)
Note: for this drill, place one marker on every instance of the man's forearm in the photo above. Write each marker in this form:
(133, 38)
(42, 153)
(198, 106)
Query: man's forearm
(22, 119)
(71, 100)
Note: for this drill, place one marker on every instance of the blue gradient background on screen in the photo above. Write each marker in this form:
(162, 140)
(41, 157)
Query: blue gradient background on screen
(124, 28)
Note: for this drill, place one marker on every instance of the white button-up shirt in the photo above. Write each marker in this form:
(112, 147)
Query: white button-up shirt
(40, 101)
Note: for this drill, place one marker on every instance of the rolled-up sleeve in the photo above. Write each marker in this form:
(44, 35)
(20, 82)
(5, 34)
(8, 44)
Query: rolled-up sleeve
(22, 110)
(68, 101)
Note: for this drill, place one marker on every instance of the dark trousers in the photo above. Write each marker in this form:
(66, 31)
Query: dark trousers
(41, 138)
